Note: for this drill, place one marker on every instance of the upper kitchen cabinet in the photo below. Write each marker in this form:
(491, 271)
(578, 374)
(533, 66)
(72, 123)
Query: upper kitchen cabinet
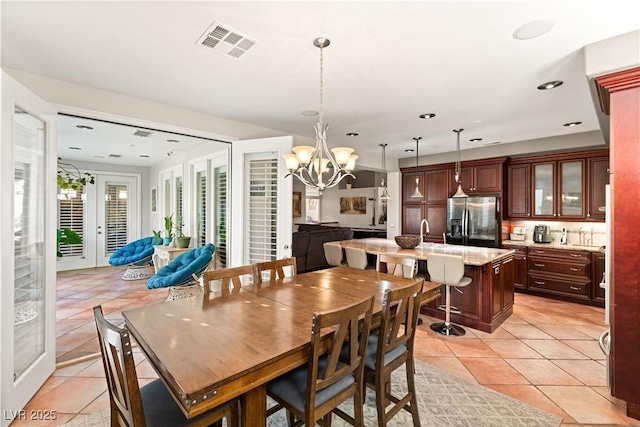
(413, 188)
(567, 186)
(598, 173)
(480, 176)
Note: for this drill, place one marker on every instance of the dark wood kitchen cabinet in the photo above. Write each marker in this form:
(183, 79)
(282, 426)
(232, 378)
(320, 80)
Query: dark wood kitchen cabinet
(480, 178)
(597, 260)
(432, 206)
(559, 272)
(566, 186)
(519, 266)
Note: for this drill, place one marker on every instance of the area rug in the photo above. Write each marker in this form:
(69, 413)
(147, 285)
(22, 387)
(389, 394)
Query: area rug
(443, 400)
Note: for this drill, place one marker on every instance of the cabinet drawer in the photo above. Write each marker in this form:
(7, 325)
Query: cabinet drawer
(558, 266)
(558, 284)
(561, 253)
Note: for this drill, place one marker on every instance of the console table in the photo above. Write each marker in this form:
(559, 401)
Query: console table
(163, 255)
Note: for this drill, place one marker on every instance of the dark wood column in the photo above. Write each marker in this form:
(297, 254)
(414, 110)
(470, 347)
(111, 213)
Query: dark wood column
(619, 95)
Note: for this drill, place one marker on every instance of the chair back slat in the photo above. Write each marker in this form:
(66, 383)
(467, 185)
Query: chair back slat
(120, 370)
(275, 269)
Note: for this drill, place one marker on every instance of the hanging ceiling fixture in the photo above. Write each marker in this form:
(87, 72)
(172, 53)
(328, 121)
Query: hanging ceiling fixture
(385, 195)
(417, 194)
(459, 192)
(308, 164)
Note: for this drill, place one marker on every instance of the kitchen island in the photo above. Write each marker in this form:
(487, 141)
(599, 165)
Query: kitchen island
(485, 303)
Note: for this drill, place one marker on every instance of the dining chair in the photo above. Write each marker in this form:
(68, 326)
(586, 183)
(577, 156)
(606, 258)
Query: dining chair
(356, 258)
(229, 279)
(398, 265)
(448, 270)
(152, 405)
(390, 347)
(275, 269)
(333, 253)
(312, 392)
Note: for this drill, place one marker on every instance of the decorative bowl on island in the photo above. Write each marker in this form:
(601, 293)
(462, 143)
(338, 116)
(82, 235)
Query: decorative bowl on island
(408, 241)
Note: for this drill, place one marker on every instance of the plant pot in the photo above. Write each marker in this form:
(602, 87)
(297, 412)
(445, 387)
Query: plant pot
(348, 186)
(167, 241)
(183, 242)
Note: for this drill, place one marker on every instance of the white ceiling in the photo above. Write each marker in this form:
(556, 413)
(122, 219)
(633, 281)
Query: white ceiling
(388, 63)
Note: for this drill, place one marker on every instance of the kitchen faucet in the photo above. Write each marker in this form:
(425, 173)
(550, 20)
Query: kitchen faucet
(422, 223)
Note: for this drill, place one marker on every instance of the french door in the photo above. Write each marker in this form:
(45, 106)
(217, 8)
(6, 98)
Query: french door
(105, 214)
(27, 247)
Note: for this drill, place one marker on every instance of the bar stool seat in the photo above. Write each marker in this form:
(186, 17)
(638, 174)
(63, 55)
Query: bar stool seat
(449, 271)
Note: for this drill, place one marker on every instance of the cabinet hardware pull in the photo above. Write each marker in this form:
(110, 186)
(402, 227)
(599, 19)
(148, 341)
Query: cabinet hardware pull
(573, 269)
(574, 288)
(537, 282)
(539, 265)
(539, 252)
(576, 255)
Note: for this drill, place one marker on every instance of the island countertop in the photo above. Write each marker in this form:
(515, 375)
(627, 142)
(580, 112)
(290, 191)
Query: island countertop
(471, 255)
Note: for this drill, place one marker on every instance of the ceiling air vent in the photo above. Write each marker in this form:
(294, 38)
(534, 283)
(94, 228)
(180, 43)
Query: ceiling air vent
(225, 41)
(142, 133)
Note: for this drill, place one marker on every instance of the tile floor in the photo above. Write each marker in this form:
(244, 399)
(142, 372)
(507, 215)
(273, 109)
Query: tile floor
(546, 354)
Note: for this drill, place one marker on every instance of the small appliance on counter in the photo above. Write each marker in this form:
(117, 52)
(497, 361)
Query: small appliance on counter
(517, 233)
(563, 239)
(542, 234)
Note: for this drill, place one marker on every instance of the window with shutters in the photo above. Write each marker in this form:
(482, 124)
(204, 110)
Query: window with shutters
(220, 183)
(179, 209)
(116, 217)
(201, 207)
(261, 215)
(71, 214)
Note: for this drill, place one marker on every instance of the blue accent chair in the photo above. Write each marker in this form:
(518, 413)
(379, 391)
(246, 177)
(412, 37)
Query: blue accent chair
(179, 271)
(137, 256)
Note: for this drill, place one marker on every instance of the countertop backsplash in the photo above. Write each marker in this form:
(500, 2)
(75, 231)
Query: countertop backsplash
(578, 233)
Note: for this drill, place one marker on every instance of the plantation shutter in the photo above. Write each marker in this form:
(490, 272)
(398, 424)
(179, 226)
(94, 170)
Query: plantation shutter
(71, 214)
(261, 213)
(117, 233)
(179, 209)
(201, 206)
(220, 174)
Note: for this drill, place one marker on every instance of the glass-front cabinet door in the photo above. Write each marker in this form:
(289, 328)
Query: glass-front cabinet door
(571, 185)
(543, 189)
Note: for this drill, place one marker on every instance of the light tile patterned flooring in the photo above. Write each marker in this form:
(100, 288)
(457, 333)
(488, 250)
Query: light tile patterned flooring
(546, 354)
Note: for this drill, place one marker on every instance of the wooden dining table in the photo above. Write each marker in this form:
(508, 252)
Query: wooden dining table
(209, 351)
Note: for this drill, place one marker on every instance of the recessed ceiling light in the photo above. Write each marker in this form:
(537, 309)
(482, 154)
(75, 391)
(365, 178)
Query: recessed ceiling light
(427, 116)
(173, 141)
(475, 140)
(409, 150)
(131, 145)
(550, 85)
(352, 134)
(99, 157)
(309, 113)
(115, 156)
(572, 124)
(533, 29)
(84, 127)
(144, 155)
(75, 148)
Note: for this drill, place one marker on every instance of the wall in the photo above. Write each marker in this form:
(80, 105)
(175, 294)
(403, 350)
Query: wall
(331, 208)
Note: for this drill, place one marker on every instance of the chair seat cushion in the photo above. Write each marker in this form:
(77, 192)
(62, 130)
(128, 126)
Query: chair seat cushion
(372, 348)
(133, 252)
(161, 410)
(179, 271)
(292, 386)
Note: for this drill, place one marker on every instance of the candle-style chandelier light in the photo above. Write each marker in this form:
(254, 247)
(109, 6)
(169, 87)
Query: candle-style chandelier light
(317, 166)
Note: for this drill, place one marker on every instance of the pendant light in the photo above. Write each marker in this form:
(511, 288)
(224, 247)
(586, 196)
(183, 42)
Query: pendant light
(417, 194)
(459, 191)
(385, 195)
(308, 164)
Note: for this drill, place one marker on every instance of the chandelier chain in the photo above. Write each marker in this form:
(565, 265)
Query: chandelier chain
(321, 86)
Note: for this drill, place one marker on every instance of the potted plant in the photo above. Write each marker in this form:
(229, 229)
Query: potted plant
(157, 237)
(168, 229)
(66, 236)
(349, 182)
(70, 179)
(181, 240)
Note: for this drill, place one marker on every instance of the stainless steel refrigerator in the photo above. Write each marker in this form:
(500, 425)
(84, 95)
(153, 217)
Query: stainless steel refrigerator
(473, 221)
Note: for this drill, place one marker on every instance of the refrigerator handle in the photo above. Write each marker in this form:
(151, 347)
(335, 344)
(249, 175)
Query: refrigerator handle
(465, 222)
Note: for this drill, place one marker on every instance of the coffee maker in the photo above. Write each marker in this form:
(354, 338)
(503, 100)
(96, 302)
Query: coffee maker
(542, 234)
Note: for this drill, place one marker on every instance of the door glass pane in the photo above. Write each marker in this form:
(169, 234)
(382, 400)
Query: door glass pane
(167, 198)
(116, 221)
(543, 190)
(571, 176)
(71, 214)
(28, 239)
(178, 198)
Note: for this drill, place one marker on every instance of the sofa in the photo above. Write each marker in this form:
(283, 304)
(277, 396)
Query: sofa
(307, 245)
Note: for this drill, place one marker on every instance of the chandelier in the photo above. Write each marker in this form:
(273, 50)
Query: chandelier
(460, 192)
(317, 166)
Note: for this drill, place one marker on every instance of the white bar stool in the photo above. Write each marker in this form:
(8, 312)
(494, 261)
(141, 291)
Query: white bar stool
(447, 270)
